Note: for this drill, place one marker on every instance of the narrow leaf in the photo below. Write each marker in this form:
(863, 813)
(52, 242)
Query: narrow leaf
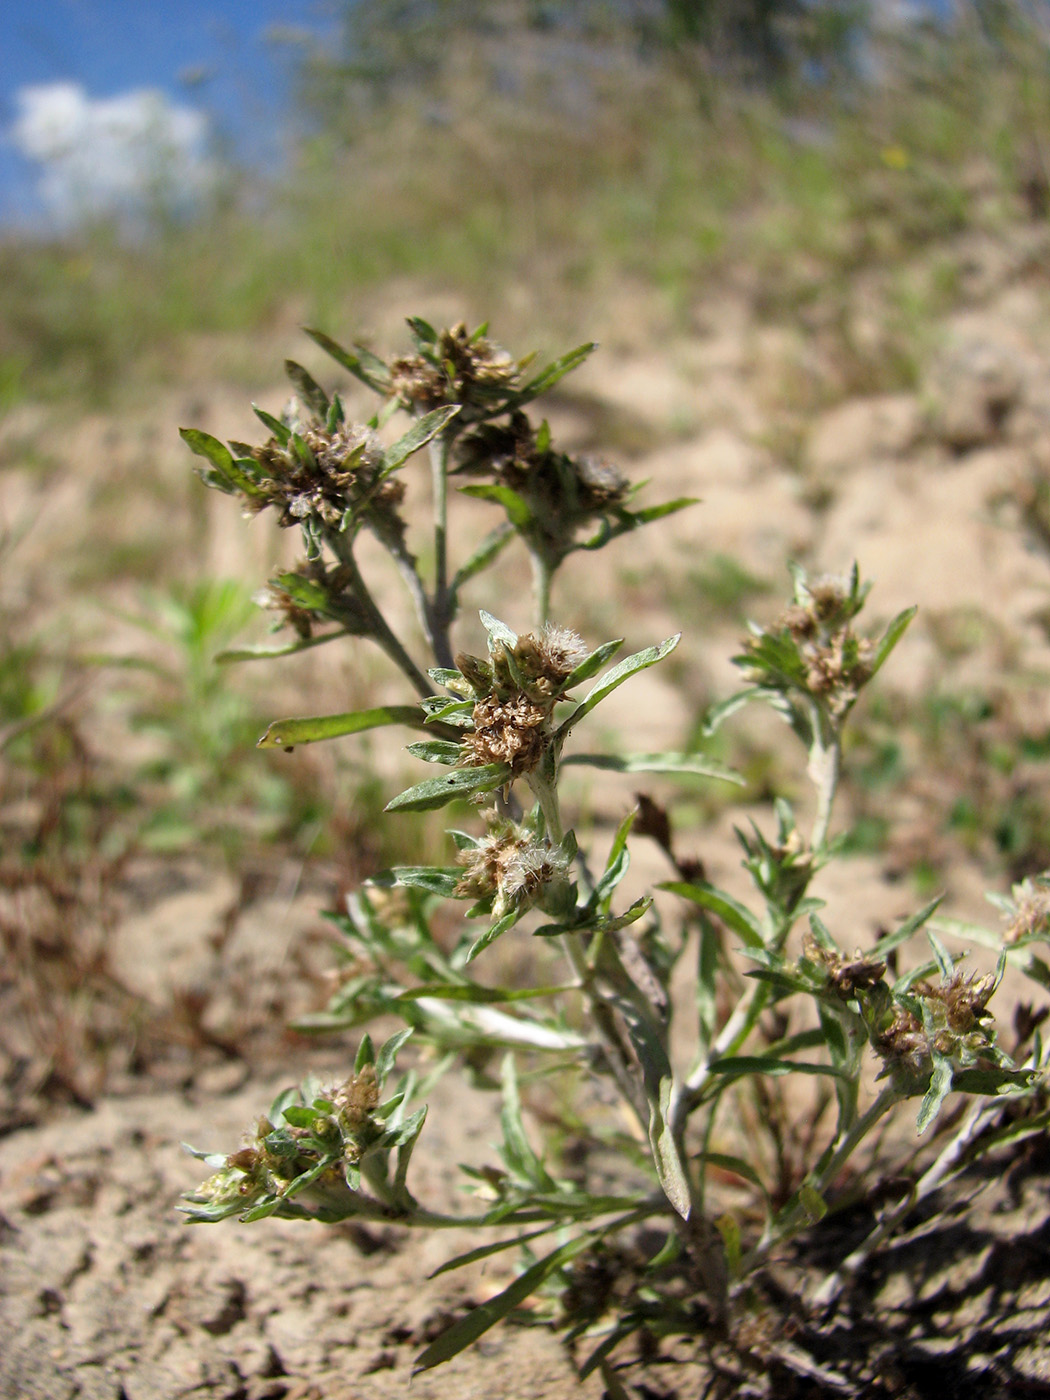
(518, 512)
(437, 751)
(307, 388)
(476, 1323)
(729, 910)
(364, 365)
(483, 556)
(499, 927)
(264, 653)
(286, 733)
(418, 436)
(894, 632)
(940, 1087)
(630, 666)
(419, 877)
(281, 431)
(693, 763)
(438, 792)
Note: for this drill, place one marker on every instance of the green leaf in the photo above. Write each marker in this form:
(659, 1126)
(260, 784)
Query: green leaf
(518, 1153)
(940, 1087)
(419, 877)
(286, 733)
(490, 935)
(264, 653)
(388, 1053)
(498, 632)
(550, 374)
(944, 959)
(418, 436)
(732, 913)
(364, 365)
(650, 513)
(477, 995)
(736, 1165)
(894, 632)
(812, 1202)
(281, 431)
(484, 1251)
(518, 510)
(366, 1053)
(906, 930)
(666, 1158)
(592, 664)
(437, 751)
(438, 792)
(483, 556)
(630, 666)
(735, 1066)
(307, 388)
(693, 763)
(476, 1323)
(300, 1116)
(228, 475)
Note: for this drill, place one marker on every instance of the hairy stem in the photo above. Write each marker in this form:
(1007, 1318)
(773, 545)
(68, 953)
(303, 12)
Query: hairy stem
(440, 609)
(381, 631)
(542, 575)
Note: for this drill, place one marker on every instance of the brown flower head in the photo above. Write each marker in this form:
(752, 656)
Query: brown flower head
(1031, 916)
(846, 976)
(463, 369)
(511, 867)
(331, 474)
(515, 731)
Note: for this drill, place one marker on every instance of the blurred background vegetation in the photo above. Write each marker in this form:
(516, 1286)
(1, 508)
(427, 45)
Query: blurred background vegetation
(544, 157)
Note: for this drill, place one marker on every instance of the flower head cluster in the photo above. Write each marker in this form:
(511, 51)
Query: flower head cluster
(330, 476)
(1030, 915)
(457, 367)
(515, 693)
(846, 976)
(817, 645)
(951, 1019)
(562, 492)
(512, 868)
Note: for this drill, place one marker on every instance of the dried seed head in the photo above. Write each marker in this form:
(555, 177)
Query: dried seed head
(511, 867)
(1031, 917)
(468, 369)
(846, 976)
(513, 731)
(903, 1043)
(965, 999)
(543, 662)
(340, 471)
(274, 598)
(355, 1099)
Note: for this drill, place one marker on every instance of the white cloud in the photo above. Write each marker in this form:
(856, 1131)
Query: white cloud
(124, 155)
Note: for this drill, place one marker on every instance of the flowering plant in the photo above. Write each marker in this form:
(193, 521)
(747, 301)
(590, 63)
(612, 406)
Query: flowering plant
(501, 729)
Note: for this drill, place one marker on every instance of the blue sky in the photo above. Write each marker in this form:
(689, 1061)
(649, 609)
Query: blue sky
(217, 56)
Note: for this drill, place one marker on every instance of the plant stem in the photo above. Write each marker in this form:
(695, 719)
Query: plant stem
(945, 1165)
(440, 605)
(381, 631)
(794, 1216)
(542, 574)
(824, 762)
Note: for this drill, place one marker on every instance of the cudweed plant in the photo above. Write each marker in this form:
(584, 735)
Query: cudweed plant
(643, 1248)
